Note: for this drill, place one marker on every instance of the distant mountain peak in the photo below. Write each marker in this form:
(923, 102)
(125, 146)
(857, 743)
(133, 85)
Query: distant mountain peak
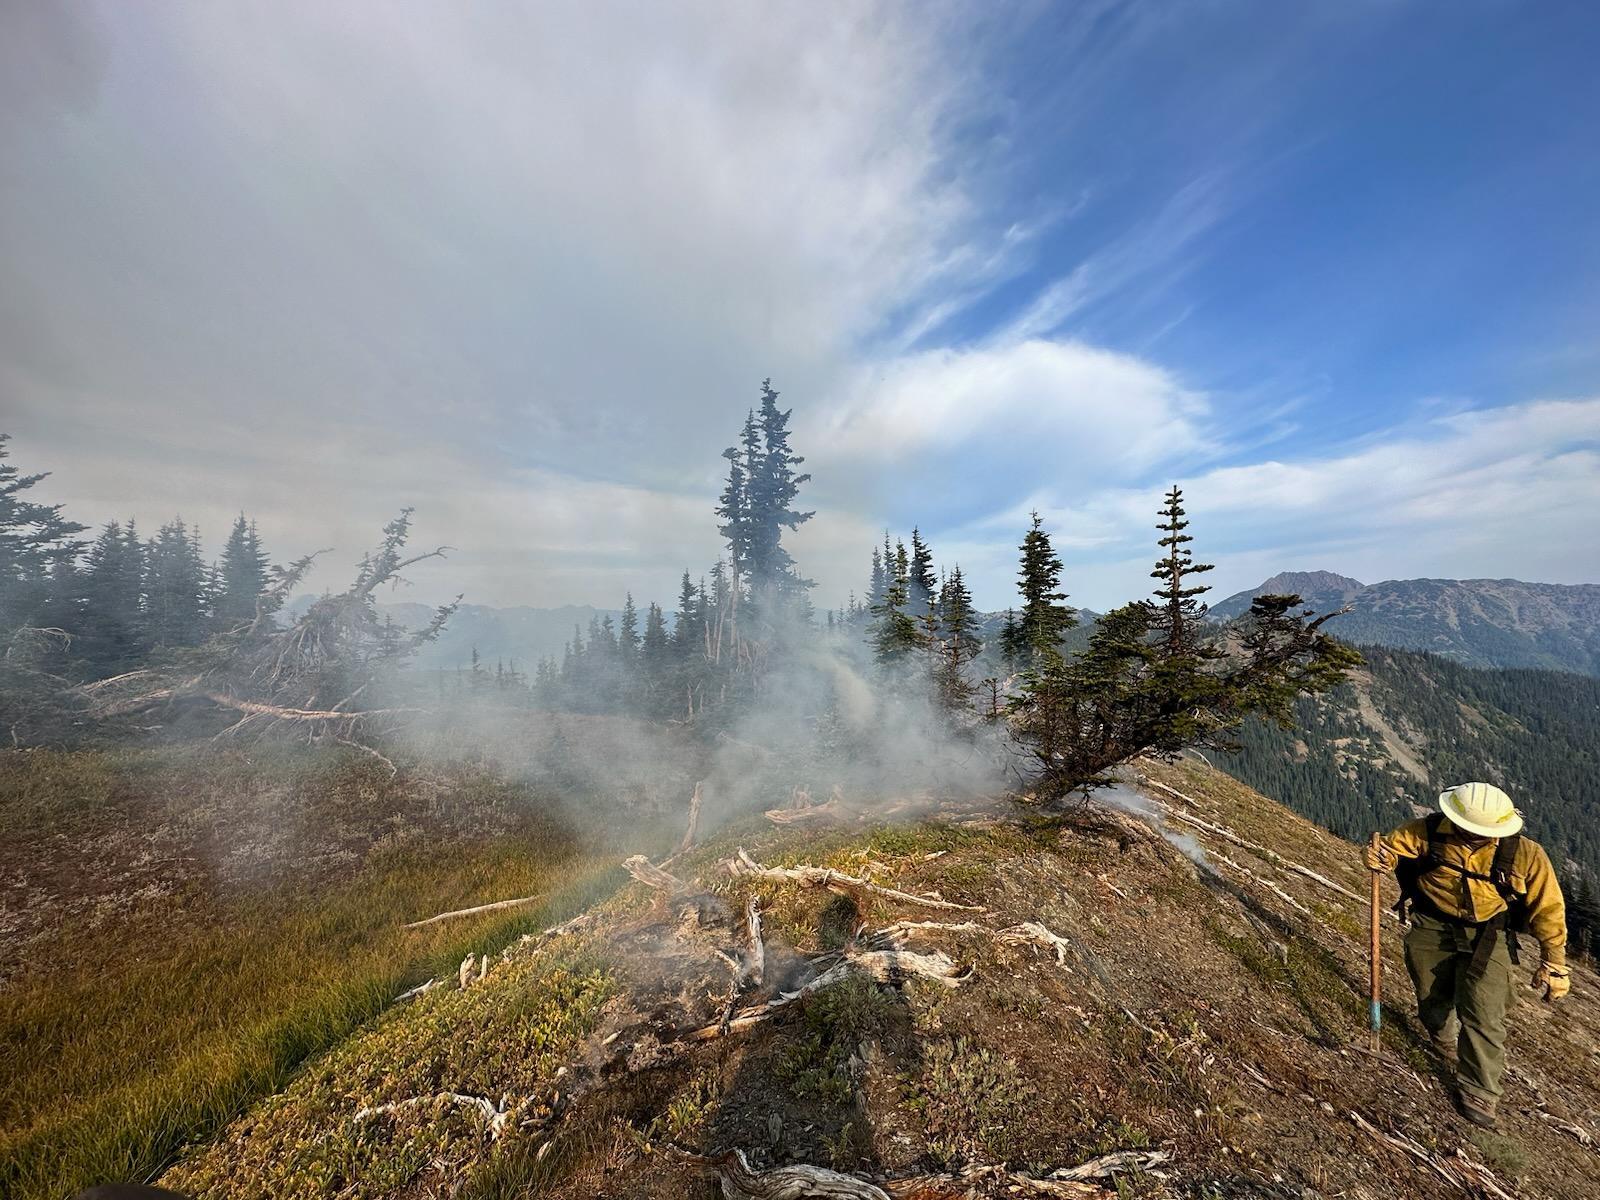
(1307, 583)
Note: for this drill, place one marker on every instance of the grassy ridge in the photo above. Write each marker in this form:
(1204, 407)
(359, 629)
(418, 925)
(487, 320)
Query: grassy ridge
(122, 1043)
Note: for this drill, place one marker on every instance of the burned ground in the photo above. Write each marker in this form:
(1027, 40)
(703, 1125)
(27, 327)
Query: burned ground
(1201, 1000)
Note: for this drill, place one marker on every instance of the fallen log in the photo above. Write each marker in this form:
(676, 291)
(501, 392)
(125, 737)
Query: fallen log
(1272, 856)
(1263, 881)
(839, 883)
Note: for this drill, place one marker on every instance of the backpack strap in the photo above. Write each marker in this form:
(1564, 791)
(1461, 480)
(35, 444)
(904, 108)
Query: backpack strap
(1408, 872)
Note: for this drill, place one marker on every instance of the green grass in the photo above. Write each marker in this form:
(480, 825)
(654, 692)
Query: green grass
(123, 1044)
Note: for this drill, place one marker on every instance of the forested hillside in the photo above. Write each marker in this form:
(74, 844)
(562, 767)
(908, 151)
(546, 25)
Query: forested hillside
(1409, 725)
(1475, 622)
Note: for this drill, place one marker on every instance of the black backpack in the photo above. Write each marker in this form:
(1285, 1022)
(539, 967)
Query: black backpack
(1409, 873)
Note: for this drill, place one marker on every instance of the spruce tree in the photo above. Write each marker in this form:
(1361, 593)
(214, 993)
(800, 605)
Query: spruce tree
(110, 636)
(774, 487)
(958, 643)
(1044, 619)
(923, 584)
(175, 588)
(38, 547)
(879, 579)
(895, 635)
(628, 634)
(242, 575)
(688, 631)
(1178, 611)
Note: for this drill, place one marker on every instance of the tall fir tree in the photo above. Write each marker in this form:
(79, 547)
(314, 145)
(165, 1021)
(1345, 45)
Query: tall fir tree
(1178, 611)
(628, 634)
(923, 585)
(879, 579)
(38, 550)
(958, 645)
(242, 575)
(774, 486)
(896, 634)
(1044, 618)
(688, 631)
(111, 628)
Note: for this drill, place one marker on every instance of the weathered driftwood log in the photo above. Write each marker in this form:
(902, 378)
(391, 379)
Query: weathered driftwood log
(838, 882)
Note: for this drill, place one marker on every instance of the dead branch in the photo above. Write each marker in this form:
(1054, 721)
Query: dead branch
(839, 883)
(1272, 856)
(496, 1116)
(755, 964)
(256, 709)
(497, 906)
(692, 831)
(1263, 881)
(421, 989)
(884, 966)
(1171, 791)
(354, 745)
(653, 876)
(1036, 934)
(1461, 1172)
(740, 1181)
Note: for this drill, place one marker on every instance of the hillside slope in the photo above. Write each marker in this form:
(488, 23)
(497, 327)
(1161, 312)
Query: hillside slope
(1408, 725)
(1117, 986)
(1476, 622)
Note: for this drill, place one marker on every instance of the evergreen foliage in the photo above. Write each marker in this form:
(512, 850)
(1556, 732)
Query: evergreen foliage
(1037, 641)
(242, 575)
(38, 547)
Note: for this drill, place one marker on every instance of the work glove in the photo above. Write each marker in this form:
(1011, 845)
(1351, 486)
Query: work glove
(1556, 981)
(1380, 857)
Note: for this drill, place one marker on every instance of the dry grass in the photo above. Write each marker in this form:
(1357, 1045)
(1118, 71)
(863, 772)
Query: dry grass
(155, 1019)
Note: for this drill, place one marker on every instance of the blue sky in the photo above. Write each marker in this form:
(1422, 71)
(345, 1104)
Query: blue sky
(1333, 267)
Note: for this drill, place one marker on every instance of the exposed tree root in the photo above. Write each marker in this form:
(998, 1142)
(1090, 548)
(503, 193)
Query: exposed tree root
(838, 882)
(740, 1181)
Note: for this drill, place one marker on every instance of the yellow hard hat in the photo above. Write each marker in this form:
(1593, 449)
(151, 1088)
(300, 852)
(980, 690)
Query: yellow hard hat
(1481, 808)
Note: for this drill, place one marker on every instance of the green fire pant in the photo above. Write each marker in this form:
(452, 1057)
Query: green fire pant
(1437, 954)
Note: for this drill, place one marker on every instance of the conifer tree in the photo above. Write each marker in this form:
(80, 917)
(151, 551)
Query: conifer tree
(1044, 619)
(923, 584)
(688, 631)
(895, 635)
(628, 634)
(242, 575)
(773, 488)
(175, 588)
(1012, 649)
(879, 579)
(38, 547)
(958, 645)
(1178, 611)
(110, 634)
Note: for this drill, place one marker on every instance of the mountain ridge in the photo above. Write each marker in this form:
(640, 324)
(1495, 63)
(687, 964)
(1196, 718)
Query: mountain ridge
(1476, 622)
